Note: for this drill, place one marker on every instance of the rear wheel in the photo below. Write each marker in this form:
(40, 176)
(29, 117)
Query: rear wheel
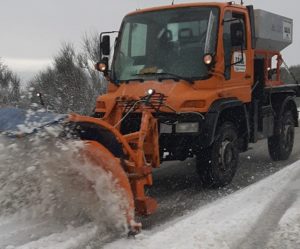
(217, 164)
(281, 144)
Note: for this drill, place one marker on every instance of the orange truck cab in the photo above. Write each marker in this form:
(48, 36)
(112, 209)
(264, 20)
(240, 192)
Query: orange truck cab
(207, 75)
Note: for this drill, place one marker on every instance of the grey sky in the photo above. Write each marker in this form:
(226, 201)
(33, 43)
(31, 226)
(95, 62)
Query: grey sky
(32, 31)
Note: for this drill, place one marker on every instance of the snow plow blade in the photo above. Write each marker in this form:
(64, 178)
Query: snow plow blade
(134, 155)
(129, 158)
(101, 157)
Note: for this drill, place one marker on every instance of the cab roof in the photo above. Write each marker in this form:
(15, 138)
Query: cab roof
(186, 5)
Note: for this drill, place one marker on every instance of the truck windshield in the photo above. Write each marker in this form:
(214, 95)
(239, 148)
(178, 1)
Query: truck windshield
(163, 43)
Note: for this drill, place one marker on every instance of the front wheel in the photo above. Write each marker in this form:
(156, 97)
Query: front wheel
(281, 144)
(217, 165)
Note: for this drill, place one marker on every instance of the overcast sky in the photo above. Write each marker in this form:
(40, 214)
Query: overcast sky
(32, 31)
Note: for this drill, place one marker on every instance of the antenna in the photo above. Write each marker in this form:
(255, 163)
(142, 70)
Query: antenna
(137, 5)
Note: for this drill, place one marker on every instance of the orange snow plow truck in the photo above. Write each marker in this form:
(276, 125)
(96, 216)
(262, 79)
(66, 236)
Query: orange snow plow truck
(196, 80)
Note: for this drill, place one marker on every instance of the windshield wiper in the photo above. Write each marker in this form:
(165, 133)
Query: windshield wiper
(174, 76)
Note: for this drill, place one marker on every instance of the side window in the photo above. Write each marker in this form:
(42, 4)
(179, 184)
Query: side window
(233, 23)
(125, 40)
(239, 20)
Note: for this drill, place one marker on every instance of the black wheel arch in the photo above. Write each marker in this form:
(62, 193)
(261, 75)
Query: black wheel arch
(222, 110)
(283, 102)
(94, 132)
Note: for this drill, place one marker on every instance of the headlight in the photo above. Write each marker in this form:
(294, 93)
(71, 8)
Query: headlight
(187, 127)
(150, 91)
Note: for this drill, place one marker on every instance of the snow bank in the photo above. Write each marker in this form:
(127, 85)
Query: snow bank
(245, 219)
(287, 235)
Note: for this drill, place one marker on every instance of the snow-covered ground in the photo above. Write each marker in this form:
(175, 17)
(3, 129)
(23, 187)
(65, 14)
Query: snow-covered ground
(263, 215)
(47, 202)
(24, 234)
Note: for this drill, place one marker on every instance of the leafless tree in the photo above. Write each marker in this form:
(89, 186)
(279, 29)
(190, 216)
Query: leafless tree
(72, 84)
(9, 86)
(289, 76)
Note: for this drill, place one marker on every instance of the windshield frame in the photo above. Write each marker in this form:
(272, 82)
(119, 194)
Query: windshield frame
(147, 77)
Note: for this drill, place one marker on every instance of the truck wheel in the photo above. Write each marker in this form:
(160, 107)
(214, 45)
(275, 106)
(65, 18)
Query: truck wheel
(217, 165)
(281, 144)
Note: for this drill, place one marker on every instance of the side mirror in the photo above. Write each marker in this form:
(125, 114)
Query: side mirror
(105, 45)
(102, 66)
(237, 34)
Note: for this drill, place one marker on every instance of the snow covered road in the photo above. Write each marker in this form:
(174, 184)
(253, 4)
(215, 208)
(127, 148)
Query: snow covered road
(54, 209)
(263, 215)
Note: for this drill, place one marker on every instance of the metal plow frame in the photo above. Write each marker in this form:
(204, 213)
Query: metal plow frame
(134, 171)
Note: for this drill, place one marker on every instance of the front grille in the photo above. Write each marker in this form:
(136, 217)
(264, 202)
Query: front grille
(155, 103)
(131, 123)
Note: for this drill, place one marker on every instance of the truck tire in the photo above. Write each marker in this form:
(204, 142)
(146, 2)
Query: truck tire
(217, 164)
(281, 144)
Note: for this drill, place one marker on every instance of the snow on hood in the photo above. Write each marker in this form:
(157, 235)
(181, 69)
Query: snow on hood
(15, 121)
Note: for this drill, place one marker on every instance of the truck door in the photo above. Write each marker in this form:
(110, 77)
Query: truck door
(237, 55)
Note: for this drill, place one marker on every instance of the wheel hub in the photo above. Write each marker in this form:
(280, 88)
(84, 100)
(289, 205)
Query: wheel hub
(287, 132)
(226, 154)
